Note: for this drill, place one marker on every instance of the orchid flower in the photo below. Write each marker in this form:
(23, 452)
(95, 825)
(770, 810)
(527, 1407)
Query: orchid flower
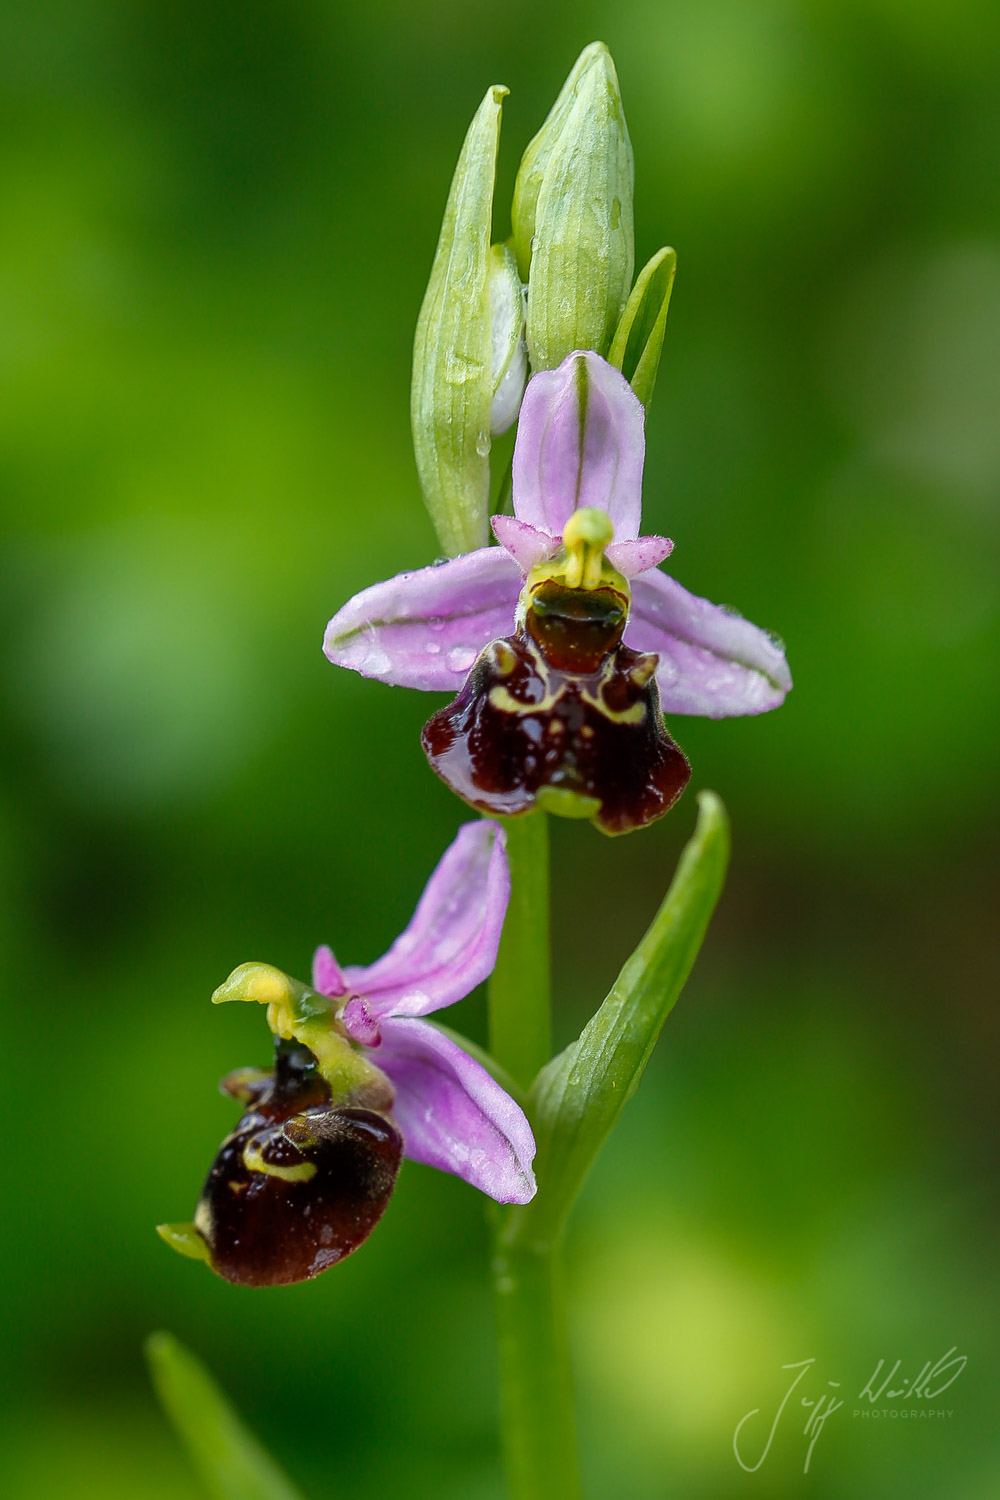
(577, 642)
(580, 445)
(361, 1079)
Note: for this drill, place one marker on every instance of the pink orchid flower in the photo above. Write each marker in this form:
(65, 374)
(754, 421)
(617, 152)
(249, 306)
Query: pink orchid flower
(580, 444)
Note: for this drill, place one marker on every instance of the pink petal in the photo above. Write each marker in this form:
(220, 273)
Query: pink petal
(712, 661)
(451, 943)
(425, 629)
(454, 1115)
(526, 545)
(328, 977)
(360, 1024)
(632, 558)
(579, 442)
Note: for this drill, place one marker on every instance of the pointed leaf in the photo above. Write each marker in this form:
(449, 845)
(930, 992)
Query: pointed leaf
(638, 342)
(229, 1459)
(578, 1097)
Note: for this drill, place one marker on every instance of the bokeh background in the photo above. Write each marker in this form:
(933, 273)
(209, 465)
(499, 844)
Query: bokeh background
(216, 221)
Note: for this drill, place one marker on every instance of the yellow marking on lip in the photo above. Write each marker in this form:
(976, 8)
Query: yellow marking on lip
(504, 659)
(644, 670)
(634, 714)
(506, 703)
(304, 1171)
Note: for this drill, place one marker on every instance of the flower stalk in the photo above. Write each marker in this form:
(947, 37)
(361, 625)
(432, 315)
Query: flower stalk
(574, 1103)
(539, 1428)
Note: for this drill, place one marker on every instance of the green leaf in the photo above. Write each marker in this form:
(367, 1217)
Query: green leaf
(225, 1453)
(452, 389)
(579, 1095)
(638, 341)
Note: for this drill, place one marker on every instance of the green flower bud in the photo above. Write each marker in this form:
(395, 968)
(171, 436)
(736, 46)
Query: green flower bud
(572, 216)
(509, 352)
(638, 342)
(452, 390)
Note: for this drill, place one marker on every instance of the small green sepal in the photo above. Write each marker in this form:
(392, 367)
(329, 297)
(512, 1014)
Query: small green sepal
(452, 390)
(638, 340)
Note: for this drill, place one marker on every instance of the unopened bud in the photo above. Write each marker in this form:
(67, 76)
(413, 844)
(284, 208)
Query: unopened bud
(638, 341)
(452, 390)
(572, 216)
(509, 350)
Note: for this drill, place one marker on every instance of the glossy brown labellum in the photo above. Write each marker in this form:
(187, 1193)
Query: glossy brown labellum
(300, 1182)
(562, 704)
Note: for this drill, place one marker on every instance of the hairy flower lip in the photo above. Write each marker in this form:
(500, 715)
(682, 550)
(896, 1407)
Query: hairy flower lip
(580, 443)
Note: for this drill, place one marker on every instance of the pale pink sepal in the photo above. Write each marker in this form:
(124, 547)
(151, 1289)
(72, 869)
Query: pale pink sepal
(425, 629)
(713, 662)
(580, 442)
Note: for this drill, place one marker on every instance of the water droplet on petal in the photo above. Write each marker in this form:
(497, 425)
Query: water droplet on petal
(460, 658)
(374, 661)
(432, 648)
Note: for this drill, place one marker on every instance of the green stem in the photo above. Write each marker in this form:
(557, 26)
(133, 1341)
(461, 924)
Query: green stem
(520, 1032)
(535, 1383)
(536, 1393)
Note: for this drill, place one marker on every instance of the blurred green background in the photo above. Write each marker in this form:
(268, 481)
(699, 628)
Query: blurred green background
(216, 221)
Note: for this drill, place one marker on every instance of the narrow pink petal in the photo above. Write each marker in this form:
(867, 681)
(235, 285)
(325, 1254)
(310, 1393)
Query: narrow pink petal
(712, 661)
(328, 976)
(632, 558)
(579, 442)
(454, 1115)
(526, 545)
(451, 943)
(425, 629)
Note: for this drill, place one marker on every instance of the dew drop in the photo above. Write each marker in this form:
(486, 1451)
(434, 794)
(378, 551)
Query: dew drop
(460, 658)
(433, 648)
(483, 444)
